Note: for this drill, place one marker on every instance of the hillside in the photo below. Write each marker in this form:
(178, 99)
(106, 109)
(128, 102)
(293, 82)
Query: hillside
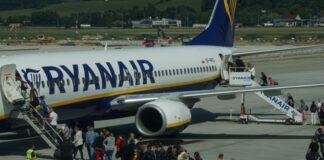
(68, 7)
(119, 13)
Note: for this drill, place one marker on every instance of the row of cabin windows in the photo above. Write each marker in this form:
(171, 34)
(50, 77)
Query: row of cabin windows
(184, 71)
(137, 75)
(93, 81)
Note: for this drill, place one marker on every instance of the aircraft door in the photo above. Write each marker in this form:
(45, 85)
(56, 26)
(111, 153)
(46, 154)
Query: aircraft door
(9, 87)
(226, 60)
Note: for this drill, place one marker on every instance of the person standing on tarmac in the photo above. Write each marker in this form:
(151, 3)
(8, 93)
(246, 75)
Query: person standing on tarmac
(90, 138)
(313, 109)
(319, 134)
(109, 144)
(30, 154)
(312, 152)
(67, 149)
(78, 142)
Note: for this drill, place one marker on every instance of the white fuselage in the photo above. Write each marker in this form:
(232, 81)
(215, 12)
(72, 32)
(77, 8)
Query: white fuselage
(89, 77)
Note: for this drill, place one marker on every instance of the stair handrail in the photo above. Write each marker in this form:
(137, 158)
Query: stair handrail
(47, 124)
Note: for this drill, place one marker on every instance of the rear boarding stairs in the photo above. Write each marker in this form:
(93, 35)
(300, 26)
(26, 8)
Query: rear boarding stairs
(235, 76)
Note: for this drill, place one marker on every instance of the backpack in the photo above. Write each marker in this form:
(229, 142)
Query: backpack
(322, 108)
(313, 108)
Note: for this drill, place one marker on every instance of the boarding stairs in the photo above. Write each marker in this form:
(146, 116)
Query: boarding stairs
(34, 118)
(295, 117)
(21, 108)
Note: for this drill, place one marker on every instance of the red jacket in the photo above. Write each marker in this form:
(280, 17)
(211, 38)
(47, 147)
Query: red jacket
(118, 143)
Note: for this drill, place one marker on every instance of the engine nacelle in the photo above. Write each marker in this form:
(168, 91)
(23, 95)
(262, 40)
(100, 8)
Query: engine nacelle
(162, 117)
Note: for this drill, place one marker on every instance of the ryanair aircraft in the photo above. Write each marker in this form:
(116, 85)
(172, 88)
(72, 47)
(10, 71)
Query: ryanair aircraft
(157, 85)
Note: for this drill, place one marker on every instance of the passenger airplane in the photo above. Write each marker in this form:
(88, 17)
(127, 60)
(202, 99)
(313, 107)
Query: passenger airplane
(158, 85)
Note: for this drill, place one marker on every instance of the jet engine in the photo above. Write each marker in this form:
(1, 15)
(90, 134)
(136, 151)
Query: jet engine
(162, 117)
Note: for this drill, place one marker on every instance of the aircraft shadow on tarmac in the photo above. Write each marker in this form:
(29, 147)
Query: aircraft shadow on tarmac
(241, 136)
(19, 143)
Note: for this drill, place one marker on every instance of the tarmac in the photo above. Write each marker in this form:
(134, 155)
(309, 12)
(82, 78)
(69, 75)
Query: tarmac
(213, 130)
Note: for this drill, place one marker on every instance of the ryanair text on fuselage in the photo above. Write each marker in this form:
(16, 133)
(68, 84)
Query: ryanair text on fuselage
(135, 73)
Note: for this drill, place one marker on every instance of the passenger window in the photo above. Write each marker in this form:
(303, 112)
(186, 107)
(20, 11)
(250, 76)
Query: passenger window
(43, 84)
(48, 84)
(83, 80)
(162, 73)
(166, 72)
(159, 73)
(155, 74)
(68, 82)
(174, 73)
(185, 71)
(177, 71)
(170, 72)
(204, 69)
(181, 71)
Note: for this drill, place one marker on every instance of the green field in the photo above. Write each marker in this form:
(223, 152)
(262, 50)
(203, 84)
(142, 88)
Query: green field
(175, 33)
(69, 7)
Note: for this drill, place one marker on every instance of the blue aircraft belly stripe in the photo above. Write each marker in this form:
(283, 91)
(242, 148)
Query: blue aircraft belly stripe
(97, 109)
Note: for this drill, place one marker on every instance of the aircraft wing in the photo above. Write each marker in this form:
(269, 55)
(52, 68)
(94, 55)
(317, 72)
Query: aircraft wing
(132, 102)
(277, 50)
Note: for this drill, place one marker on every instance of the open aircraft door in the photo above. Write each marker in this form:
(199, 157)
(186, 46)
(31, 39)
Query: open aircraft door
(9, 88)
(226, 59)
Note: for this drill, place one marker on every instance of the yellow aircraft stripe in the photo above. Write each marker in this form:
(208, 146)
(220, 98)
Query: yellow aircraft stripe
(177, 124)
(131, 90)
(4, 117)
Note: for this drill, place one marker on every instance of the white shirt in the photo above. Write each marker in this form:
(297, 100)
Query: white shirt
(319, 104)
(53, 117)
(252, 70)
(78, 140)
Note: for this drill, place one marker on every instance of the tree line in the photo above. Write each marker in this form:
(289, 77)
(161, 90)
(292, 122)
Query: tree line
(249, 13)
(25, 4)
(108, 18)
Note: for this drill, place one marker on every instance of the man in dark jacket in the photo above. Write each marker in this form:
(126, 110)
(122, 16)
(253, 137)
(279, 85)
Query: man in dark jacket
(319, 134)
(66, 149)
(312, 152)
(149, 153)
(239, 64)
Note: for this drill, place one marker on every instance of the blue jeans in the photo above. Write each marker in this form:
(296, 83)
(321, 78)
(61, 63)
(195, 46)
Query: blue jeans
(108, 155)
(91, 152)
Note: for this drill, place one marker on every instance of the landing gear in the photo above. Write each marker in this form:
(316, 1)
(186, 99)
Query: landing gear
(243, 116)
(243, 119)
(290, 121)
